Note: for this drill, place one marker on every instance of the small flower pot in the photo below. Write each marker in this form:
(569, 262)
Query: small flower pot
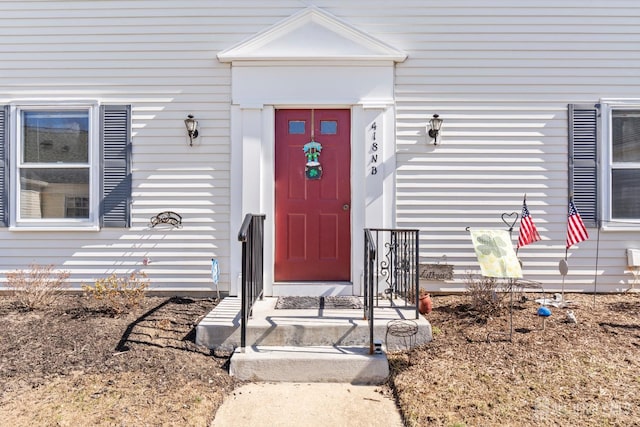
(425, 305)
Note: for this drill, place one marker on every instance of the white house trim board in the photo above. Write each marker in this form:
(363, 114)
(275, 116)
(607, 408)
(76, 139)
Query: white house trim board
(321, 84)
(286, 67)
(372, 194)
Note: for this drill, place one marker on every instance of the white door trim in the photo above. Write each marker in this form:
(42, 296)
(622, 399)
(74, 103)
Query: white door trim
(253, 190)
(312, 59)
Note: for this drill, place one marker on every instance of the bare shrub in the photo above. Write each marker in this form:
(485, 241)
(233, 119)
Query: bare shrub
(38, 287)
(119, 294)
(411, 294)
(487, 295)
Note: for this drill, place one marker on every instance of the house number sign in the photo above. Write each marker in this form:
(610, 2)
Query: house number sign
(373, 147)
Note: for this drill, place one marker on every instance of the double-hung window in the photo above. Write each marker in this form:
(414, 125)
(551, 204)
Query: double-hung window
(65, 166)
(55, 160)
(625, 164)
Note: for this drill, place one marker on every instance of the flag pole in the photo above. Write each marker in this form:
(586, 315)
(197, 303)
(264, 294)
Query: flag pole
(576, 233)
(564, 266)
(564, 275)
(566, 256)
(524, 202)
(595, 279)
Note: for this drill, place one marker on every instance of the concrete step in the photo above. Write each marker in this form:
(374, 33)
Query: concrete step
(309, 364)
(305, 328)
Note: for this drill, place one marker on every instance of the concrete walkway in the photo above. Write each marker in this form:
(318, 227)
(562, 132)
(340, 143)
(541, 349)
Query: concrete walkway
(309, 405)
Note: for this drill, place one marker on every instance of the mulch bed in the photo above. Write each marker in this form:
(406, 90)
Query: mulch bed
(77, 364)
(585, 373)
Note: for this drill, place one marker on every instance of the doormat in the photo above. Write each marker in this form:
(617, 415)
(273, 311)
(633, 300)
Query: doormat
(331, 302)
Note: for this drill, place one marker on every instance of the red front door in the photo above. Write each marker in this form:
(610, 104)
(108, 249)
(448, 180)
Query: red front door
(313, 195)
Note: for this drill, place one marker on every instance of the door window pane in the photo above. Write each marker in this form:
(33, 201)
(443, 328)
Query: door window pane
(328, 127)
(297, 127)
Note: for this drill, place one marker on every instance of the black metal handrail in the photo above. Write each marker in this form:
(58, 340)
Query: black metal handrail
(396, 265)
(252, 237)
(369, 266)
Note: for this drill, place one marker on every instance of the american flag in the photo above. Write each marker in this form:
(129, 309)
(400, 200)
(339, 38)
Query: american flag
(576, 231)
(528, 231)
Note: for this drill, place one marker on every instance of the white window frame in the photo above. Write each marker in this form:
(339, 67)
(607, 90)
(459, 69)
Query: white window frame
(607, 108)
(16, 147)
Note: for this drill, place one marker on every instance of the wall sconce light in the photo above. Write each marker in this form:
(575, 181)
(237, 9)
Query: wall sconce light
(434, 128)
(192, 128)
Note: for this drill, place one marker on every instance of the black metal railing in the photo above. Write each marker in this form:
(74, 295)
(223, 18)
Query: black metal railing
(396, 267)
(369, 267)
(252, 237)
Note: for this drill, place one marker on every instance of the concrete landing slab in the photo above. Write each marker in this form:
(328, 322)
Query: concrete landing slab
(220, 329)
(310, 364)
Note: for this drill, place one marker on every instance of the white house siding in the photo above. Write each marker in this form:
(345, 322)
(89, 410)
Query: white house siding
(500, 74)
(160, 57)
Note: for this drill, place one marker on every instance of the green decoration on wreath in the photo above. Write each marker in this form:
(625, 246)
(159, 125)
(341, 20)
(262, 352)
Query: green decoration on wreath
(313, 168)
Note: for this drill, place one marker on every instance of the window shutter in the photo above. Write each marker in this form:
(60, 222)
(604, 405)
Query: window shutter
(583, 161)
(115, 144)
(4, 165)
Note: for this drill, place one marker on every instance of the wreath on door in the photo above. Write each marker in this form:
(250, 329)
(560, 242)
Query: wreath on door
(313, 168)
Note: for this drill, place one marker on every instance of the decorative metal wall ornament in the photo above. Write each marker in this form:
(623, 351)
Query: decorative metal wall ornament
(167, 217)
(313, 168)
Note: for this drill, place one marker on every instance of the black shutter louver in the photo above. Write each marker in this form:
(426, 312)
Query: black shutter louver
(583, 161)
(115, 144)
(4, 165)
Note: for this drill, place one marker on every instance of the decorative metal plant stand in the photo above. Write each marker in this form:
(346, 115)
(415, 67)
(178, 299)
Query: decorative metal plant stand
(404, 330)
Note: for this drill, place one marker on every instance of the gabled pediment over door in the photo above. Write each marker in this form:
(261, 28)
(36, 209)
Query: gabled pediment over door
(312, 34)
